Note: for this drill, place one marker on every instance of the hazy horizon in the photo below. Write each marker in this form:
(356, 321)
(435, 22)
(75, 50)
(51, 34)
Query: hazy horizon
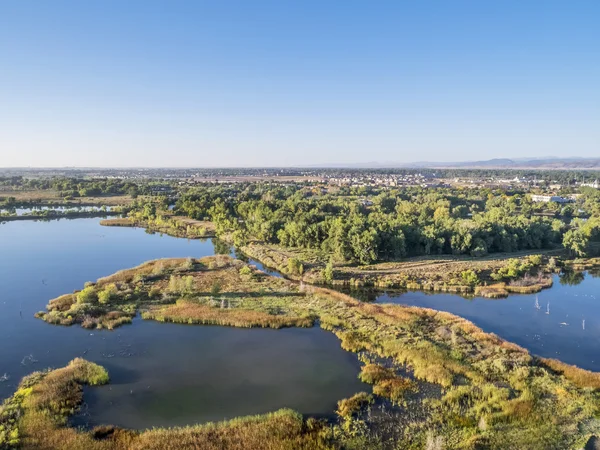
(282, 84)
(333, 165)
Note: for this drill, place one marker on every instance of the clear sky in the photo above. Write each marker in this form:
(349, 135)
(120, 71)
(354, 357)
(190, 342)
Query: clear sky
(282, 82)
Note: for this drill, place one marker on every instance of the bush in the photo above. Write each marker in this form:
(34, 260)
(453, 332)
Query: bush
(108, 294)
(295, 267)
(87, 295)
(181, 285)
(246, 272)
(470, 278)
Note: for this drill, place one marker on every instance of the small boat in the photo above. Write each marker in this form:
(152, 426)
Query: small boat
(548, 308)
(537, 303)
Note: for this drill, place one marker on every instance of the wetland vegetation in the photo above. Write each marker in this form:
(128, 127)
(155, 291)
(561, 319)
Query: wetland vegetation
(489, 243)
(438, 381)
(36, 416)
(490, 393)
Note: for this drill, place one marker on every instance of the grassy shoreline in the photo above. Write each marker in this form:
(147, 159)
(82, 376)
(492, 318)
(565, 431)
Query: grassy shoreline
(176, 226)
(488, 277)
(461, 275)
(494, 394)
(35, 417)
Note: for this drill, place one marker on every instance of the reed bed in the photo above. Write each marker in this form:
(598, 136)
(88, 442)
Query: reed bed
(491, 393)
(35, 417)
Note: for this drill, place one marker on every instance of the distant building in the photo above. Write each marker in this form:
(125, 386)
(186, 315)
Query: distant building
(550, 198)
(595, 184)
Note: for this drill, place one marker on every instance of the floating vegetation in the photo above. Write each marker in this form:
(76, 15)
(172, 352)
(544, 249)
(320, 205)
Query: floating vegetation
(28, 360)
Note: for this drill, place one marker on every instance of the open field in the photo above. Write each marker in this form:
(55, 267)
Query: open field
(50, 196)
(493, 394)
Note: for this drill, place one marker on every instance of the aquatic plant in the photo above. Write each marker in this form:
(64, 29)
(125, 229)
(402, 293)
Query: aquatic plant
(36, 417)
(455, 375)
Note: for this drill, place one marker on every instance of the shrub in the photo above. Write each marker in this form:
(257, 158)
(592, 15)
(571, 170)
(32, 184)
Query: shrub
(181, 285)
(295, 267)
(470, 278)
(246, 272)
(108, 294)
(87, 295)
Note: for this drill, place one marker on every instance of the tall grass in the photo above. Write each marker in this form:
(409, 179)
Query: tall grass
(43, 402)
(489, 392)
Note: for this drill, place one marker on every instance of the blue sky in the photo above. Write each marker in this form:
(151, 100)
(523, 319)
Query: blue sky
(255, 83)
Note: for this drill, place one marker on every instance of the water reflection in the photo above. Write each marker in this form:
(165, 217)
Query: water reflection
(562, 322)
(163, 374)
(571, 277)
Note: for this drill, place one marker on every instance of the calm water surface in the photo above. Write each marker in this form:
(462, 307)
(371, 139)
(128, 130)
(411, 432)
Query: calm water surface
(161, 374)
(37, 209)
(166, 374)
(569, 332)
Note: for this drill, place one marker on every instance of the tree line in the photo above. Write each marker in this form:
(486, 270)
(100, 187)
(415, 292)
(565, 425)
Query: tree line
(365, 225)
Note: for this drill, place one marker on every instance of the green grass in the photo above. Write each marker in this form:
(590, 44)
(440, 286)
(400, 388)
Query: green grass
(176, 226)
(35, 417)
(490, 393)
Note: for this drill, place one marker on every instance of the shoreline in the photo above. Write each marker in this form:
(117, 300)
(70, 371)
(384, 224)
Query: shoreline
(435, 347)
(175, 226)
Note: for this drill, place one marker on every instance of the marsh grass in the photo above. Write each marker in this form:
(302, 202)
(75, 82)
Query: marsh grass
(177, 226)
(432, 273)
(580, 377)
(35, 417)
(386, 382)
(482, 379)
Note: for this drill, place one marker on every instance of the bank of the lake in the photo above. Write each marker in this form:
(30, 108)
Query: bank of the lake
(434, 348)
(175, 226)
(42, 260)
(565, 326)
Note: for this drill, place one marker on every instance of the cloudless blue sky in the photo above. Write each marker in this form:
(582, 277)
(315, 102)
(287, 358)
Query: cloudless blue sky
(237, 83)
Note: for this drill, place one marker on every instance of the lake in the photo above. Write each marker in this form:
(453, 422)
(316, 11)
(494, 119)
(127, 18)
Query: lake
(566, 326)
(161, 374)
(167, 374)
(38, 209)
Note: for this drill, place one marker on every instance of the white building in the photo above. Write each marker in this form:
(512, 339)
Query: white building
(550, 198)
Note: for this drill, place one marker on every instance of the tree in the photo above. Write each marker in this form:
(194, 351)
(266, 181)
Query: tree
(215, 290)
(575, 242)
(328, 274)
(295, 266)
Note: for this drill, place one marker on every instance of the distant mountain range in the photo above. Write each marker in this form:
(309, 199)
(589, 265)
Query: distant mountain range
(497, 163)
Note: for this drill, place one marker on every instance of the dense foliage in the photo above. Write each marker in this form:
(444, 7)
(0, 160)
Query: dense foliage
(367, 224)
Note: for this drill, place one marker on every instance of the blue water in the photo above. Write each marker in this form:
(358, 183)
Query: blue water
(32, 211)
(166, 374)
(162, 374)
(561, 334)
